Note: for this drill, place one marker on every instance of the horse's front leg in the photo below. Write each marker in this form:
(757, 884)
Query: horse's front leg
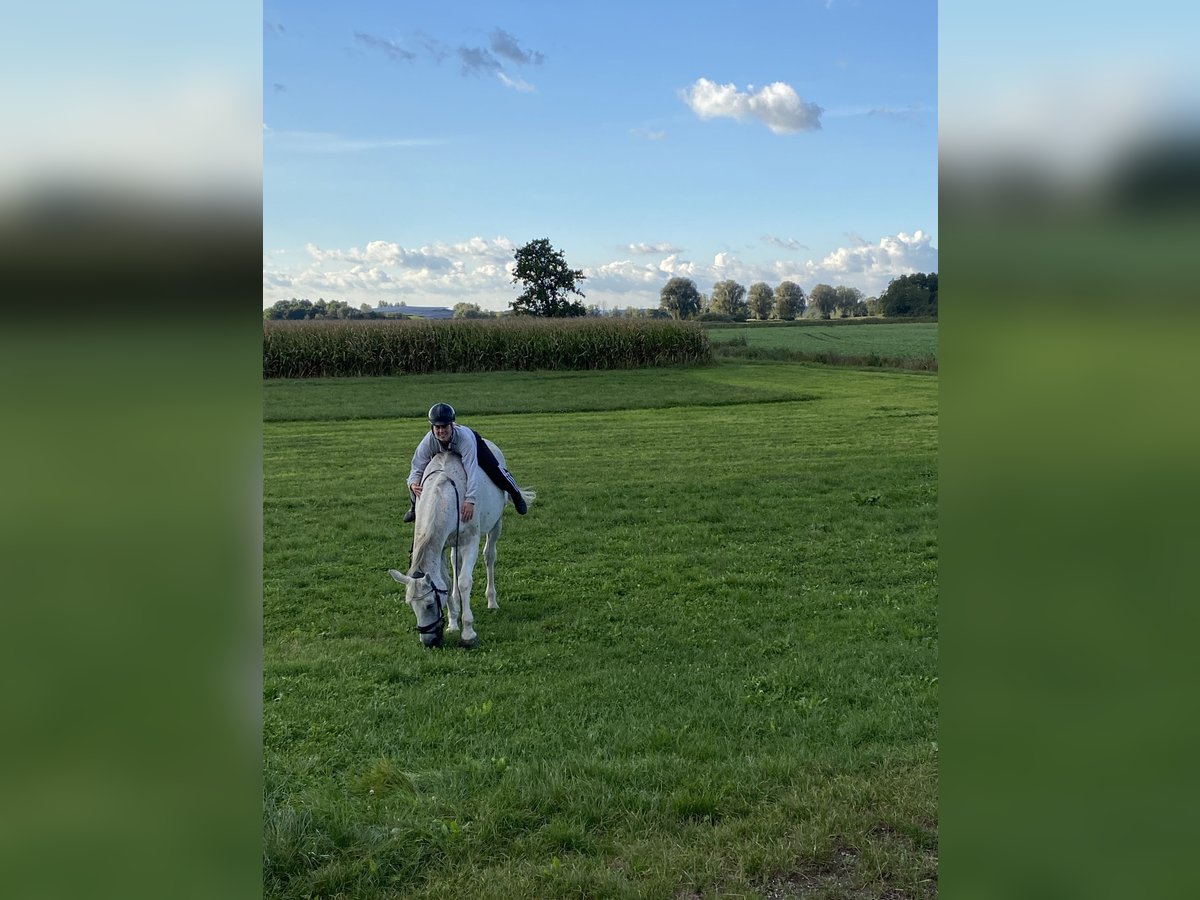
(463, 582)
(452, 602)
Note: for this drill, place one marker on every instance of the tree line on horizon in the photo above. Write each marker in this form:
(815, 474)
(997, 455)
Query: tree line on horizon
(549, 282)
(907, 296)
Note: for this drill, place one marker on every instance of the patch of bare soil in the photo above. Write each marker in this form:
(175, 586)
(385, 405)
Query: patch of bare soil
(841, 877)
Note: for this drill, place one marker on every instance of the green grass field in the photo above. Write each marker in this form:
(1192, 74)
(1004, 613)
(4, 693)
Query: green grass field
(714, 667)
(909, 340)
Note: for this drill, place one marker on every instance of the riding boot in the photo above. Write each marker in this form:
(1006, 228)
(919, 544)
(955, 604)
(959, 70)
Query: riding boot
(519, 503)
(412, 510)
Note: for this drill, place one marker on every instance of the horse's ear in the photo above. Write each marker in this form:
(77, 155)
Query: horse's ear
(400, 576)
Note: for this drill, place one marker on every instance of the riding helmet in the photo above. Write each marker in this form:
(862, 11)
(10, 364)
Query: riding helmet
(441, 414)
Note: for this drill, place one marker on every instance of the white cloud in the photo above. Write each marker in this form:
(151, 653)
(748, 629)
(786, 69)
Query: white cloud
(674, 266)
(900, 254)
(621, 275)
(784, 243)
(517, 84)
(500, 248)
(326, 143)
(660, 247)
(477, 270)
(777, 105)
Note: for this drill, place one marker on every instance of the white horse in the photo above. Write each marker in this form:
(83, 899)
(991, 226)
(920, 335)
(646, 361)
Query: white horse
(438, 528)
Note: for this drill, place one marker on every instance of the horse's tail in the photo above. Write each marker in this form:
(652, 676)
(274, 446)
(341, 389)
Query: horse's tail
(528, 494)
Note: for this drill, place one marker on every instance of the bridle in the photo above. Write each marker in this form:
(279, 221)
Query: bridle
(438, 625)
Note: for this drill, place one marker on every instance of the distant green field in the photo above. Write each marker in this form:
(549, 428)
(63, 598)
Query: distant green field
(407, 396)
(713, 671)
(917, 340)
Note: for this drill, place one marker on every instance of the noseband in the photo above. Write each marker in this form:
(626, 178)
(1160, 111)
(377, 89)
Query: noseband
(439, 624)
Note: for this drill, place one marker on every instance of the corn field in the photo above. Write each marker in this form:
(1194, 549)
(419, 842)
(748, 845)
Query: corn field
(315, 349)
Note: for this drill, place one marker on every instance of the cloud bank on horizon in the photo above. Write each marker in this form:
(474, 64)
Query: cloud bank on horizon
(479, 270)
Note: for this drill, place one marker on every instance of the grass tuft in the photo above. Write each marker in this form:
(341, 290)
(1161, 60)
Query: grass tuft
(383, 779)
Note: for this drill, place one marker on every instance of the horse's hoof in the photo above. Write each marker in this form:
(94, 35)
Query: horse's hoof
(469, 644)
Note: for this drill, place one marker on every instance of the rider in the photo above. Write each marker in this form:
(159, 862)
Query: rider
(444, 435)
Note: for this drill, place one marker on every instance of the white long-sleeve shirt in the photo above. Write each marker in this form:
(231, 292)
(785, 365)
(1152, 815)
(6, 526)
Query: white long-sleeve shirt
(462, 442)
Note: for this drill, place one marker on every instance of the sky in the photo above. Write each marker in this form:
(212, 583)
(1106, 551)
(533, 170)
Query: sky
(1065, 89)
(408, 150)
(403, 153)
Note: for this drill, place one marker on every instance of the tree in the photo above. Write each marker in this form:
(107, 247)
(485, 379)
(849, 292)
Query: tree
(322, 309)
(910, 295)
(728, 298)
(823, 300)
(469, 311)
(848, 299)
(548, 280)
(789, 301)
(760, 300)
(680, 298)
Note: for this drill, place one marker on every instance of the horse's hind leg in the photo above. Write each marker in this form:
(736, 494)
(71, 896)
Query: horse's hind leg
(489, 557)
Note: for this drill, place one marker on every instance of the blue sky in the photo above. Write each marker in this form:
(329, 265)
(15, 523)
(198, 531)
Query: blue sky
(408, 149)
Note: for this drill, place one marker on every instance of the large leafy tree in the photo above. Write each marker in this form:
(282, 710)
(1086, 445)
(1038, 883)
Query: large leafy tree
(849, 299)
(680, 297)
(548, 282)
(823, 300)
(789, 300)
(910, 295)
(760, 299)
(470, 311)
(728, 298)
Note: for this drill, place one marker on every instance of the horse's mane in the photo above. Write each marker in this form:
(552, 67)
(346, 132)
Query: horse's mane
(447, 462)
(444, 469)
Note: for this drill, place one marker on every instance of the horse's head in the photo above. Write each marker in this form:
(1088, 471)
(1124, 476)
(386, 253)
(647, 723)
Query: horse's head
(428, 603)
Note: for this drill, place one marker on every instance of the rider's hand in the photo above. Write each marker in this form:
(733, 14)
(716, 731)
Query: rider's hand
(416, 489)
(468, 511)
